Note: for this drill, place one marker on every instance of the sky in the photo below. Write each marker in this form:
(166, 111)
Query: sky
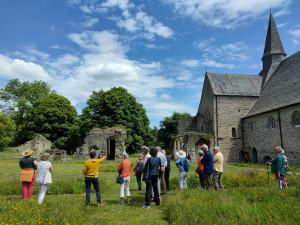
(158, 50)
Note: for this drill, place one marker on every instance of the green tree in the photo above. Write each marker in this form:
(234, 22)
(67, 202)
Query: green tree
(168, 128)
(19, 98)
(53, 116)
(116, 107)
(7, 130)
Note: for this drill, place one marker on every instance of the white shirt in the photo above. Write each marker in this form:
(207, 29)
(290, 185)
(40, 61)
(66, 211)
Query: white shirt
(43, 173)
(163, 159)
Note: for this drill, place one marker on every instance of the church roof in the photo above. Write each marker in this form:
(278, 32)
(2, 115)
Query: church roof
(235, 84)
(282, 89)
(273, 43)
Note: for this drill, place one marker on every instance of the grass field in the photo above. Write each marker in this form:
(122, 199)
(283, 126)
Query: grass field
(246, 199)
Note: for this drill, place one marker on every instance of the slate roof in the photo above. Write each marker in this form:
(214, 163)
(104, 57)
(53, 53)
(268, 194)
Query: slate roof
(235, 84)
(273, 43)
(282, 89)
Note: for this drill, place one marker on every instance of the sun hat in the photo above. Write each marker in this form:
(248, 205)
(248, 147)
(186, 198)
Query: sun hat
(27, 152)
(181, 154)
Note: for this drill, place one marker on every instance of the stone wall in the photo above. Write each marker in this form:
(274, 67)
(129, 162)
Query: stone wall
(230, 111)
(38, 144)
(263, 138)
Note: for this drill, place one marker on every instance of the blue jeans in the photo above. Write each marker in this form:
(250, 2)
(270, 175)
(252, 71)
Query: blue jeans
(139, 180)
(88, 183)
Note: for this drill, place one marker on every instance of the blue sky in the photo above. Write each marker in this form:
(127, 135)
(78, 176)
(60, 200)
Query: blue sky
(157, 49)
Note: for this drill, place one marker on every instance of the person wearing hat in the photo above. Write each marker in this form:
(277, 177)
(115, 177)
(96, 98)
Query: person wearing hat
(43, 177)
(27, 164)
(91, 173)
(200, 168)
(183, 166)
(124, 171)
(138, 170)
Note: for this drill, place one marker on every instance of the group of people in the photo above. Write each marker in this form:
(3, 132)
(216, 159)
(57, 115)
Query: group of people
(153, 167)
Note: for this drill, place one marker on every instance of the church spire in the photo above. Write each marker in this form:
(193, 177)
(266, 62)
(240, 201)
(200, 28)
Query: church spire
(274, 52)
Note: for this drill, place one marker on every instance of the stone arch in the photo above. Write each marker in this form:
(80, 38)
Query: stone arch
(200, 142)
(267, 158)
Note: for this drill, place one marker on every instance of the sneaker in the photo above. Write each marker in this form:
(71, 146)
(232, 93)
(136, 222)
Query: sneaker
(121, 202)
(128, 200)
(146, 206)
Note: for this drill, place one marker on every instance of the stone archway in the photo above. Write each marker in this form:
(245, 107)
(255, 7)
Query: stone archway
(200, 142)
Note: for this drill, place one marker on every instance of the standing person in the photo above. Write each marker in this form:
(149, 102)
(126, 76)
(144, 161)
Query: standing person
(208, 163)
(27, 164)
(200, 168)
(278, 167)
(91, 173)
(138, 170)
(43, 178)
(167, 171)
(124, 171)
(150, 176)
(218, 168)
(183, 166)
(161, 182)
(145, 151)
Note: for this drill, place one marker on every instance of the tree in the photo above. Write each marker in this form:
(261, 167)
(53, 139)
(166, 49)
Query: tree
(116, 107)
(7, 130)
(53, 116)
(19, 98)
(168, 128)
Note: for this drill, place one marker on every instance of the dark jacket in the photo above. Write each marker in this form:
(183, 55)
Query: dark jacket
(208, 162)
(27, 163)
(152, 167)
(168, 168)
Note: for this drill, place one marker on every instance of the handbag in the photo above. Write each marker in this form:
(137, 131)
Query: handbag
(120, 180)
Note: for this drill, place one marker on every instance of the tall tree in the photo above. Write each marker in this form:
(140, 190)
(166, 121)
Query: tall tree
(19, 98)
(53, 116)
(168, 128)
(116, 107)
(7, 130)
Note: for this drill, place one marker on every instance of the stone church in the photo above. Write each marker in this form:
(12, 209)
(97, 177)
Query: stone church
(248, 115)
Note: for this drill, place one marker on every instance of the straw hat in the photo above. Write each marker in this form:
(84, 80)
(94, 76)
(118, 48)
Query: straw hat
(181, 154)
(27, 152)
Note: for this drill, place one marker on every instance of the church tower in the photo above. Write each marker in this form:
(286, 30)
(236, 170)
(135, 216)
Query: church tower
(273, 53)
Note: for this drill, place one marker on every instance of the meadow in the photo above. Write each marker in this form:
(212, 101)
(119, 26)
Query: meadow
(247, 198)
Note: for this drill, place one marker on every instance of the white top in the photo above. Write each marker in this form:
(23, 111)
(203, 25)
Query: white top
(163, 159)
(43, 173)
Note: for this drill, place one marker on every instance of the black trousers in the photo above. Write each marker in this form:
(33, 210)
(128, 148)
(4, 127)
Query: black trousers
(139, 180)
(167, 179)
(151, 183)
(208, 180)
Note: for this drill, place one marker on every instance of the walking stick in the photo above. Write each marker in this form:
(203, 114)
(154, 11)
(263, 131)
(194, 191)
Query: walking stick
(268, 175)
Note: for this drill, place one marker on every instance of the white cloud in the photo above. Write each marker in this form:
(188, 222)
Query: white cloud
(190, 63)
(225, 13)
(23, 70)
(213, 63)
(90, 22)
(296, 32)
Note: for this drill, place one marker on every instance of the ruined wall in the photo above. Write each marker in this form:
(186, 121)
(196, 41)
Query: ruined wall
(38, 144)
(257, 134)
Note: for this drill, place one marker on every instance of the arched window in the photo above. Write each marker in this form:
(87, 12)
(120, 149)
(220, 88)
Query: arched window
(233, 132)
(271, 122)
(296, 119)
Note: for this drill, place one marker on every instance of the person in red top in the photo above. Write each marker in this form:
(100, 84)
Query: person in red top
(200, 168)
(124, 171)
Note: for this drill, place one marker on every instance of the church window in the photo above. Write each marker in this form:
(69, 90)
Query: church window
(271, 122)
(233, 132)
(296, 119)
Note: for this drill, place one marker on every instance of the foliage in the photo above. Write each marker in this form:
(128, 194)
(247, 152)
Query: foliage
(168, 128)
(7, 130)
(53, 116)
(19, 98)
(117, 107)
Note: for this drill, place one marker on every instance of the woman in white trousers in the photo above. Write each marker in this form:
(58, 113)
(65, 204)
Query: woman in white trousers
(43, 178)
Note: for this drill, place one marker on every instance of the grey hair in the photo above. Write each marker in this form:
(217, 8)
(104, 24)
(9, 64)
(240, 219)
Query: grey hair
(204, 146)
(217, 148)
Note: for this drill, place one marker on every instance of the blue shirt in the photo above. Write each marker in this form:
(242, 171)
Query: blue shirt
(183, 165)
(208, 162)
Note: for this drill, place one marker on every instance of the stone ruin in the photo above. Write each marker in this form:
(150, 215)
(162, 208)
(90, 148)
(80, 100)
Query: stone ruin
(38, 144)
(110, 142)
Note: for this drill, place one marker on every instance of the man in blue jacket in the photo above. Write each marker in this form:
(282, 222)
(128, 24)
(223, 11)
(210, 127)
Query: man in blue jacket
(208, 163)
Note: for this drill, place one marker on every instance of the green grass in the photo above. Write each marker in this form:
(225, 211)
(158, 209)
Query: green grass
(246, 199)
